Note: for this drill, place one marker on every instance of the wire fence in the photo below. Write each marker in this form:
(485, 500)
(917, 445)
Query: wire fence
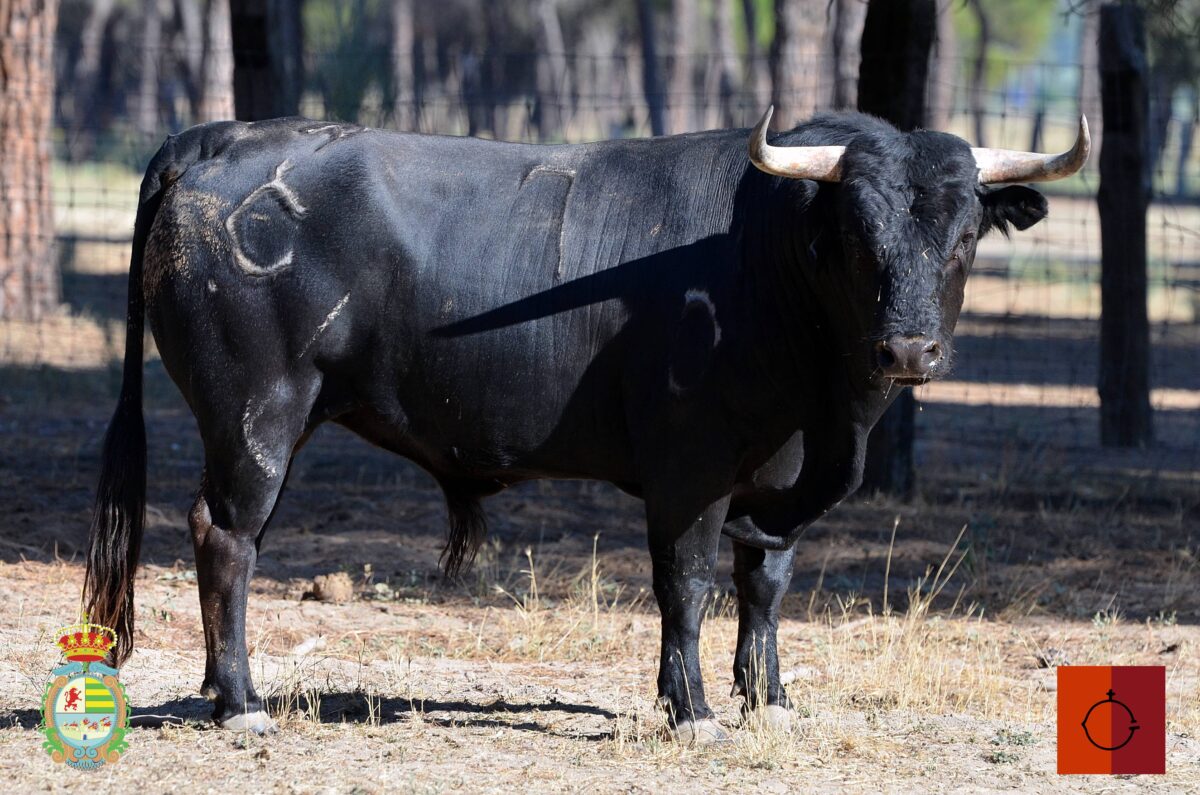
(1019, 416)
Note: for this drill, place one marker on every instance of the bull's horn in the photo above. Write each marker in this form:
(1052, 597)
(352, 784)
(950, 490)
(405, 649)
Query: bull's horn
(1005, 165)
(822, 163)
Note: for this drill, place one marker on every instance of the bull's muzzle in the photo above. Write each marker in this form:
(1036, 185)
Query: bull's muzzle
(908, 359)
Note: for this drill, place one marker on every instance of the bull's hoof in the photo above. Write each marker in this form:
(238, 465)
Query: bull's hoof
(258, 722)
(772, 717)
(775, 717)
(699, 732)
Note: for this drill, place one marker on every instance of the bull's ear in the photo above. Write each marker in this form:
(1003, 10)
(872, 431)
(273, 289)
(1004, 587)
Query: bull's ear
(1015, 205)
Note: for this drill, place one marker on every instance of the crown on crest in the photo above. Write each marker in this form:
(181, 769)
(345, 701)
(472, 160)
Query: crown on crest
(85, 642)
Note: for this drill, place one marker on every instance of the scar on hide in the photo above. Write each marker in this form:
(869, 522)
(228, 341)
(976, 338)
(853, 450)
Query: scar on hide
(336, 132)
(333, 313)
(558, 171)
(287, 199)
(569, 175)
(257, 451)
(701, 297)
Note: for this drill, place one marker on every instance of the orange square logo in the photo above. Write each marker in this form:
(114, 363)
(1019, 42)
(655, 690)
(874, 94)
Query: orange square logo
(1112, 719)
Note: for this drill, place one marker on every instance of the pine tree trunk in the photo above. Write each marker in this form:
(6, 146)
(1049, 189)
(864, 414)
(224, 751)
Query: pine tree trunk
(1089, 70)
(190, 50)
(897, 39)
(268, 67)
(846, 41)
(151, 44)
(404, 109)
(682, 99)
(651, 83)
(552, 76)
(724, 67)
(944, 71)
(86, 77)
(216, 65)
(1187, 135)
(795, 60)
(29, 283)
(756, 77)
(1123, 198)
(979, 73)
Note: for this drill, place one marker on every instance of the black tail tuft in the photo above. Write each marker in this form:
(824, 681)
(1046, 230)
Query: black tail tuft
(118, 519)
(468, 529)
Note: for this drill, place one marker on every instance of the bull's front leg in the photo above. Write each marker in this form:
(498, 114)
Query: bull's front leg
(832, 470)
(684, 553)
(762, 578)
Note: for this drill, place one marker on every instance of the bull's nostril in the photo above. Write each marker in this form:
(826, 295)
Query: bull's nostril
(934, 351)
(884, 356)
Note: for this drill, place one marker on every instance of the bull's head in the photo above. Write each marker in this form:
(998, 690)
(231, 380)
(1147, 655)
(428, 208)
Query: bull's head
(909, 216)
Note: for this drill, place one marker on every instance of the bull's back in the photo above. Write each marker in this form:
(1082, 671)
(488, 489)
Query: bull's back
(465, 289)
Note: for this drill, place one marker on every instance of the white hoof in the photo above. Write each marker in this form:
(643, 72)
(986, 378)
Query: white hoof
(775, 717)
(699, 732)
(257, 722)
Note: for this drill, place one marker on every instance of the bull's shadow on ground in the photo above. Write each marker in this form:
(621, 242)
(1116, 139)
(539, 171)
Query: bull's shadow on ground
(349, 707)
(357, 707)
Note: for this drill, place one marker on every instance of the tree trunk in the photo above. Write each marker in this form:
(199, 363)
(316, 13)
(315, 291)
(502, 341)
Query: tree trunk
(1123, 197)
(216, 66)
(1089, 71)
(756, 77)
(796, 59)
(497, 32)
(1163, 83)
(682, 94)
(552, 76)
(897, 38)
(651, 85)
(29, 283)
(86, 78)
(404, 109)
(598, 74)
(979, 73)
(724, 68)
(268, 68)
(944, 71)
(191, 49)
(151, 44)
(1187, 134)
(846, 41)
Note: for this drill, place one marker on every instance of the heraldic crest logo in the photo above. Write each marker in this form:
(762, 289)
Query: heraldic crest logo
(85, 714)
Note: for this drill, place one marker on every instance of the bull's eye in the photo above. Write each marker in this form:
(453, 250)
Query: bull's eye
(962, 253)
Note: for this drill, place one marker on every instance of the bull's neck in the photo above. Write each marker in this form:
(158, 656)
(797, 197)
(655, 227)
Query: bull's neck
(808, 332)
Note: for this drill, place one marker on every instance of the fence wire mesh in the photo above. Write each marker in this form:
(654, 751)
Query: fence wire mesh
(1019, 415)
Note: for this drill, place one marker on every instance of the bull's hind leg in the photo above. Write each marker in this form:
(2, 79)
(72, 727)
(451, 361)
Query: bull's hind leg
(762, 578)
(247, 452)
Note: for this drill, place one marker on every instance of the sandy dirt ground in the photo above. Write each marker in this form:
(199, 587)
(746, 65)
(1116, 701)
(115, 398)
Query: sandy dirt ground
(545, 682)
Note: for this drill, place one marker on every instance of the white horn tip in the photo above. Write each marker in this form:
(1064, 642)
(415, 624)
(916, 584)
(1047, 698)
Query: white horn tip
(758, 138)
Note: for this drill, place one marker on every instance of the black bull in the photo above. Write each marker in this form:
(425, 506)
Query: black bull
(658, 314)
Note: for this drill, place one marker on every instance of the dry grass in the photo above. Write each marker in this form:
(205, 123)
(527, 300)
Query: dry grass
(547, 671)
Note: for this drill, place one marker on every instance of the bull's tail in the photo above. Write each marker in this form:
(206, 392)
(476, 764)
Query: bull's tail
(468, 528)
(119, 513)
